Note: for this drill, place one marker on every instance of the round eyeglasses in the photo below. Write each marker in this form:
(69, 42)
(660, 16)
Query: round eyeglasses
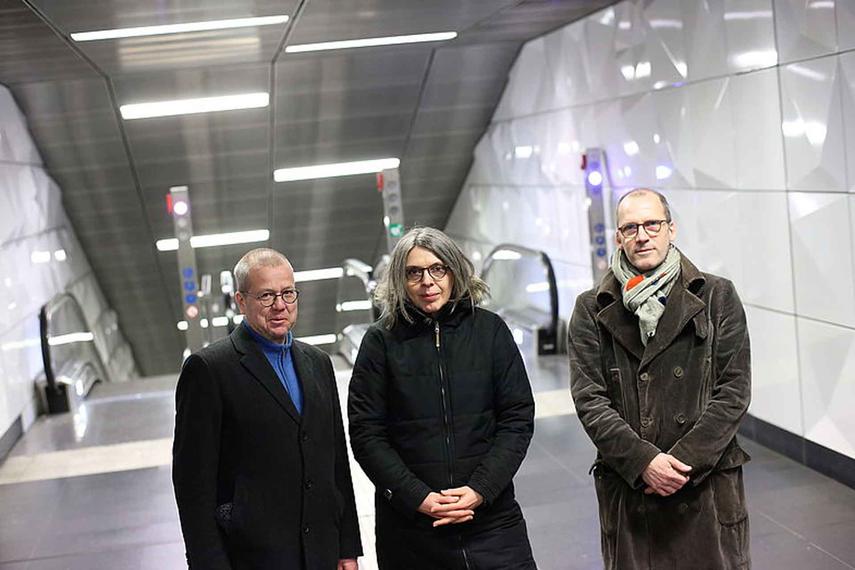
(416, 274)
(268, 298)
(651, 228)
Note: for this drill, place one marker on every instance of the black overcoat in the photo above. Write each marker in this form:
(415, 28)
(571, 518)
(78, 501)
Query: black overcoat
(436, 404)
(684, 394)
(241, 445)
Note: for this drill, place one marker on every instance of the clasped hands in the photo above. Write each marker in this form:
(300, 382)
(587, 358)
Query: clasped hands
(665, 475)
(451, 506)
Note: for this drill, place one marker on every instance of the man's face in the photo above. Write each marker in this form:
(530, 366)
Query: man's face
(275, 321)
(644, 252)
(428, 293)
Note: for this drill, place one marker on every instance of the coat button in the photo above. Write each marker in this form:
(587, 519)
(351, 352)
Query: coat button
(644, 377)
(646, 421)
(641, 509)
(308, 484)
(678, 372)
(305, 530)
(683, 508)
(305, 437)
(388, 494)
(680, 419)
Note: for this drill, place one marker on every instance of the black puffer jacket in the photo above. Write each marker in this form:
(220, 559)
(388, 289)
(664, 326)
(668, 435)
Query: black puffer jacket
(436, 404)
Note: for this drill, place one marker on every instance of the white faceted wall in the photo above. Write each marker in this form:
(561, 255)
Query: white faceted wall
(743, 114)
(39, 258)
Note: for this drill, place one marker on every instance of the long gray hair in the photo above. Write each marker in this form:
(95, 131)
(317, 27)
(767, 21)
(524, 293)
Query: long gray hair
(391, 292)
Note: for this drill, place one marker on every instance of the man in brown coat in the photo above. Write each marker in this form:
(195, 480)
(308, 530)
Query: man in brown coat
(660, 374)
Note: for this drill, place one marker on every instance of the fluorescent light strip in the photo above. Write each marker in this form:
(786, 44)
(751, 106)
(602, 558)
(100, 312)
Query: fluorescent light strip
(70, 338)
(361, 305)
(334, 169)
(214, 240)
(177, 28)
(372, 42)
(318, 339)
(318, 274)
(194, 106)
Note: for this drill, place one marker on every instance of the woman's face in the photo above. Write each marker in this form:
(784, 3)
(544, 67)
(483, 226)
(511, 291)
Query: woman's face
(429, 282)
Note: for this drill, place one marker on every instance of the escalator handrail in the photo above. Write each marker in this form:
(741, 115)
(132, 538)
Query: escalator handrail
(550, 276)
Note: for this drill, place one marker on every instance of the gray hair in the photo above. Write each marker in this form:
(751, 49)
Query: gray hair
(391, 292)
(636, 192)
(259, 257)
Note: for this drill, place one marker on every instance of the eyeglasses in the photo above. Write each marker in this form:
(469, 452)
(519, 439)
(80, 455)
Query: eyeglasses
(651, 228)
(416, 274)
(268, 299)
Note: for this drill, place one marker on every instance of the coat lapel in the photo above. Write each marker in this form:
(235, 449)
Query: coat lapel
(621, 324)
(254, 361)
(682, 306)
(307, 374)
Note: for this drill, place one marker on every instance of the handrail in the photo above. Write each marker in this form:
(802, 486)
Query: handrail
(506, 251)
(45, 315)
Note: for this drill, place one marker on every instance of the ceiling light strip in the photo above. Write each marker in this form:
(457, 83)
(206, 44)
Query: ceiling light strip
(193, 106)
(372, 42)
(334, 169)
(215, 240)
(318, 274)
(140, 31)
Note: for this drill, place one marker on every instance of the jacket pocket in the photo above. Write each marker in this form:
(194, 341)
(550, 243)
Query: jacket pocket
(729, 496)
(616, 391)
(609, 489)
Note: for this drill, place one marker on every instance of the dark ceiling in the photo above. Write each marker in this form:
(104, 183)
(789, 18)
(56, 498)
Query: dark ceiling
(427, 104)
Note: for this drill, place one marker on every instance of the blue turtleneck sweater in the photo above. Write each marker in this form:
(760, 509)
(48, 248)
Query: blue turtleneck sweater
(279, 356)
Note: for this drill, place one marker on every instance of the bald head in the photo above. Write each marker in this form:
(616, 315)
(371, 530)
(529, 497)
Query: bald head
(260, 257)
(638, 192)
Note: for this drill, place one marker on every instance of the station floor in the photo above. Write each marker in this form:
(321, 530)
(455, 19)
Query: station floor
(93, 491)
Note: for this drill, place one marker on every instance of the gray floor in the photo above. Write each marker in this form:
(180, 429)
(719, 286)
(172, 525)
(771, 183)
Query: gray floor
(127, 520)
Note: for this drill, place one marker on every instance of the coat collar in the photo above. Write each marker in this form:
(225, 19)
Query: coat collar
(684, 304)
(254, 361)
(451, 315)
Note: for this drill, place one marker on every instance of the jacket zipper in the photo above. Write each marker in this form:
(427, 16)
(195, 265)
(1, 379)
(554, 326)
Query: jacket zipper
(446, 423)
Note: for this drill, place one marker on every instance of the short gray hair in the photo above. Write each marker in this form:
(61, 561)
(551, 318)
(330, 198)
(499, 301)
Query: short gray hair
(391, 292)
(259, 257)
(636, 192)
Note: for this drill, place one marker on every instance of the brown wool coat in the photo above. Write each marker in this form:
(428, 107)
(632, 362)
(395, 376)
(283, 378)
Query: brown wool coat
(683, 394)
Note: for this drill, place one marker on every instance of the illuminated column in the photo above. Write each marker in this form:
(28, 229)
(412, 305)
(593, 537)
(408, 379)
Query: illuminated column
(389, 185)
(178, 204)
(594, 164)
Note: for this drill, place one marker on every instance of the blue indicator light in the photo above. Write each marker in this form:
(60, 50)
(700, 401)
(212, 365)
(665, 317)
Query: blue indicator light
(601, 252)
(189, 285)
(187, 272)
(190, 298)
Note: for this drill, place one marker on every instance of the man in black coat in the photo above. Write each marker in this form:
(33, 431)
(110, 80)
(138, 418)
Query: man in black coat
(260, 465)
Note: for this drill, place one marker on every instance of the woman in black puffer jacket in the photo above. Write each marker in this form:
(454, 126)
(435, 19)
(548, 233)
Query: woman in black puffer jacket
(441, 415)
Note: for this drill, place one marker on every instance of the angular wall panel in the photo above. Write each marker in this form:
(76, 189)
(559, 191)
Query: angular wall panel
(812, 125)
(827, 356)
(822, 257)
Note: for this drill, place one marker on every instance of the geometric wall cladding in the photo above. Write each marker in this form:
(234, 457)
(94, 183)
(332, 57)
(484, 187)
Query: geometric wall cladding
(805, 29)
(827, 356)
(822, 256)
(752, 139)
(812, 125)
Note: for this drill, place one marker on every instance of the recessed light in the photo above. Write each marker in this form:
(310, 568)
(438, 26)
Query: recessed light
(177, 28)
(214, 240)
(318, 274)
(193, 106)
(334, 169)
(372, 42)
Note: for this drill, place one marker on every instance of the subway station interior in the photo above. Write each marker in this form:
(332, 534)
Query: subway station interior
(145, 146)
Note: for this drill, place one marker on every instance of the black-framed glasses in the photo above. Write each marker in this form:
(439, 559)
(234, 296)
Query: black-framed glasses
(268, 298)
(416, 274)
(651, 228)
